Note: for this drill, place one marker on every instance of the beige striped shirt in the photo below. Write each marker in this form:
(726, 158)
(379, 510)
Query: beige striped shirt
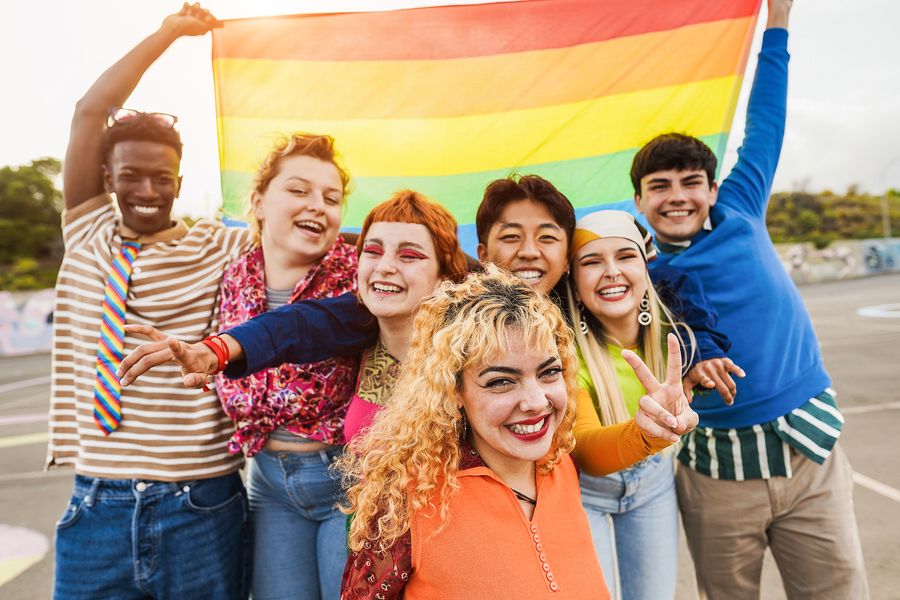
(168, 432)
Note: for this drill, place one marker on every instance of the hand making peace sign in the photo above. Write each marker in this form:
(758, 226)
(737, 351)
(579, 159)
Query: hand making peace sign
(665, 411)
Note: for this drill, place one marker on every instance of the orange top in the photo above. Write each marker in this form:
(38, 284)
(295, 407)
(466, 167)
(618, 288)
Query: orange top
(601, 450)
(490, 550)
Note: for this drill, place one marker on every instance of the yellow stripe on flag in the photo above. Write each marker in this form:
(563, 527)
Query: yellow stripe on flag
(424, 147)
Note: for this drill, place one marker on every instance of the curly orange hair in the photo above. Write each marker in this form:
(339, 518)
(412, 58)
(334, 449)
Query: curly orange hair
(408, 460)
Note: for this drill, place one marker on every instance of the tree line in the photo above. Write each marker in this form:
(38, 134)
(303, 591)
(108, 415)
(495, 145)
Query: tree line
(31, 247)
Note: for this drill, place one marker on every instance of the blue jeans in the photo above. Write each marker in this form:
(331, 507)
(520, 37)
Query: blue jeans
(299, 535)
(135, 539)
(634, 522)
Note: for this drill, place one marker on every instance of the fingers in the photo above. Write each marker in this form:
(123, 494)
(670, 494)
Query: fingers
(194, 380)
(142, 360)
(194, 369)
(181, 352)
(657, 412)
(641, 370)
(673, 362)
(137, 354)
(198, 12)
(731, 367)
(687, 386)
(725, 386)
(687, 421)
(145, 331)
(655, 421)
(715, 373)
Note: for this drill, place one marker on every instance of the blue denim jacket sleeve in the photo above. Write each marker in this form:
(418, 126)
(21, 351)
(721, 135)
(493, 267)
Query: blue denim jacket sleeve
(303, 332)
(682, 292)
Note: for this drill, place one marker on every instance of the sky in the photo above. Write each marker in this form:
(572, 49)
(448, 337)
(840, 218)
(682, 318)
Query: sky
(843, 105)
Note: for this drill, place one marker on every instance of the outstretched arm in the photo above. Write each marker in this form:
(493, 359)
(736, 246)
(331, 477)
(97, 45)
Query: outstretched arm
(302, 332)
(748, 185)
(82, 173)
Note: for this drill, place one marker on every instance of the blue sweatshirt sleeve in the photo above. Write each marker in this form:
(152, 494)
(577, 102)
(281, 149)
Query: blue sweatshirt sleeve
(747, 187)
(682, 292)
(303, 332)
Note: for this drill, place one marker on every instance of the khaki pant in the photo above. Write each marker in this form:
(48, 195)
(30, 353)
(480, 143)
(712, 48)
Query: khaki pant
(807, 521)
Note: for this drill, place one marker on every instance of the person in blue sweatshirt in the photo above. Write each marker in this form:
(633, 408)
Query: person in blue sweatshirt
(765, 471)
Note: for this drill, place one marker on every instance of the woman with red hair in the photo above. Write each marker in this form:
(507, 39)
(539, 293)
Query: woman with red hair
(406, 247)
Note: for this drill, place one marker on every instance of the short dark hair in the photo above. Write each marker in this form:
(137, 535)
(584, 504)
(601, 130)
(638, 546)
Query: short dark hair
(139, 129)
(673, 151)
(501, 192)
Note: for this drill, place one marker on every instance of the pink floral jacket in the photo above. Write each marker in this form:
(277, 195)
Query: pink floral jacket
(309, 400)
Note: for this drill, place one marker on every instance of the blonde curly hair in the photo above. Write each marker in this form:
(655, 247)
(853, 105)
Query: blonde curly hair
(411, 453)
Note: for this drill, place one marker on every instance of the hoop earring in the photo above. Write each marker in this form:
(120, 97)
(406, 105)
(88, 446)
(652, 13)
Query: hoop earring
(582, 323)
(644, 317)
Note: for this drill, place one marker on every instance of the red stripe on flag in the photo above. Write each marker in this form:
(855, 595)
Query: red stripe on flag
(444, 32)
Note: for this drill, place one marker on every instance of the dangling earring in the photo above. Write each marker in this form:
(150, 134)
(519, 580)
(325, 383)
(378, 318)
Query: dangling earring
(644, 317)
(582, 323)
(464, 434)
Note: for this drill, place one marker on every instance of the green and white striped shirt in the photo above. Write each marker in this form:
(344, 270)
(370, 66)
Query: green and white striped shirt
(763, 451)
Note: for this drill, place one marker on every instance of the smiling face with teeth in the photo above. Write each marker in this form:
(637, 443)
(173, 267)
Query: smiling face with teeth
(515, 404)
(144, 177)
(676, 203)
(299, 212)
(611, 278)
(398, 269)
(526, 241)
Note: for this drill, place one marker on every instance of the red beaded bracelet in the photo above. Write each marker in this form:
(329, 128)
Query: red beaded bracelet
(220, 349)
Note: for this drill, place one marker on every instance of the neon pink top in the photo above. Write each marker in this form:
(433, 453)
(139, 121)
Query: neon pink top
(377, 377)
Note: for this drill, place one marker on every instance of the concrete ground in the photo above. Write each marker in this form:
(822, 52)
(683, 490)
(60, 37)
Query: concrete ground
(862, 352)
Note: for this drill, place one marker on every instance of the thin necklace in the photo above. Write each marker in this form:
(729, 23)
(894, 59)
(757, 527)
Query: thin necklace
(524, 498)
(519, 495)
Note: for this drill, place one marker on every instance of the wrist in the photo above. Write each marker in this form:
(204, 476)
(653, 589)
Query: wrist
(169, 31)
(778, 18)
(220, 349)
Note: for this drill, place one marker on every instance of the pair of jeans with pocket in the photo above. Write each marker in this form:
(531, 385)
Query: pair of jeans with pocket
(633, 516)
(299, 535)
(135, 539)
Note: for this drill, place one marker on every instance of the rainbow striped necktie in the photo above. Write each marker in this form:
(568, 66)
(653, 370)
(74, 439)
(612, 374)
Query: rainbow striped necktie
(110, 346)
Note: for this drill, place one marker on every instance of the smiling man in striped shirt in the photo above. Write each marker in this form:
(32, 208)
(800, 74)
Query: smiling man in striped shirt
(158, 509)
(767, 470)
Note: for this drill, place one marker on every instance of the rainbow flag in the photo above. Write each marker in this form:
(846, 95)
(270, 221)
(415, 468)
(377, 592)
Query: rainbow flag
(445, 99)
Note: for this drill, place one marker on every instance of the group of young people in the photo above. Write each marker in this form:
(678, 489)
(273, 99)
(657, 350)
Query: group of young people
(420, 424)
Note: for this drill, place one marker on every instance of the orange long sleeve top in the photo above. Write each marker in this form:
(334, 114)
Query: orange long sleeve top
(601, 450)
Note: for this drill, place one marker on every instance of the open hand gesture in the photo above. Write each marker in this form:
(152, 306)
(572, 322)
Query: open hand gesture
(664, 412)
(196, 366)
(192, 19)
(714, 373)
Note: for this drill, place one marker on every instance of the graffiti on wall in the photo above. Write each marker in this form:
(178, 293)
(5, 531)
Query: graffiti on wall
(26, 324)
(840, 260)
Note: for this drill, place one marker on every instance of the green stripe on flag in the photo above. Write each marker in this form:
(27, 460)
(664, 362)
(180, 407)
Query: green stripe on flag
(591, 181)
